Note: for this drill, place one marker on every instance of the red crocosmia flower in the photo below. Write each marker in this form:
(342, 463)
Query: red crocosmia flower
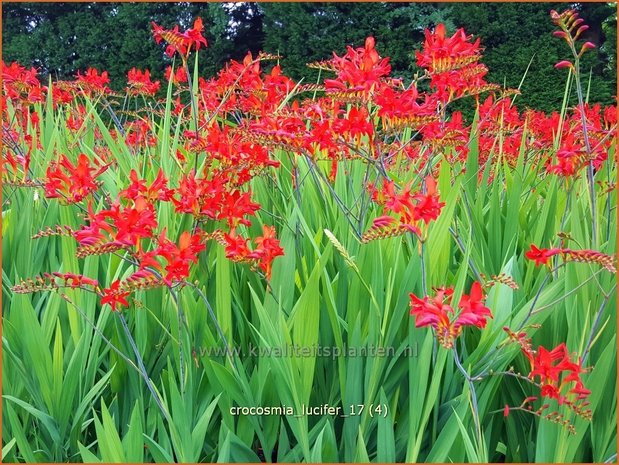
(236, 247)
(360, 69)
(179, 257)
(76, 280)
(428, 207)
(181, 42)
(541, 256)
(69, 182)
(134, 223)
(156, 191)
(580, 390)
(21, 84)
(550, 391)
(570, 157)
(92, 81)
(235, 206)
(438, 313)
(139, 83)
(267, 248)
(544, 365)
(474, 312)
(179, 76)
(435, 312)
(441, 53)
(115, 296)
(195, 34)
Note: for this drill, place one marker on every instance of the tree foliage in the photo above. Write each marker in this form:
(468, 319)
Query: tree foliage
(63, 38)
(518, 36)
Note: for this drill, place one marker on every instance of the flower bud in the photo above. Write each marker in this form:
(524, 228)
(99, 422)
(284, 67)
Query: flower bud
(586, 46)
(580, 30)
(563, 64)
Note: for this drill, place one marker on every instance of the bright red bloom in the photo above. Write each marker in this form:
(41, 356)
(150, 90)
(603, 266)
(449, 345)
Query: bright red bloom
(235, 206)
(156, 191)
(428, 207)
(115, 296)
(92, 81)
(134, 223)
(474, 312)
(267, 248)
(236, 247)
(179, 76)
(76, 280)
(570, 157)
(360, 69)
(21, 84)
(558, 376)
(69, 182)
(435, 312)
(541, 256)
(117, 227)
(139, 83)
(438, 313)
(181, 42)
(180, 257)
(441, 53)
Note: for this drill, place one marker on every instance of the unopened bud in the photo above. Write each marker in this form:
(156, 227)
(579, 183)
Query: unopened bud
(580, 30)
(563, 64)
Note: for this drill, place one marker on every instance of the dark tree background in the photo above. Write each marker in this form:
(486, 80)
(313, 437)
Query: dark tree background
(63, 38)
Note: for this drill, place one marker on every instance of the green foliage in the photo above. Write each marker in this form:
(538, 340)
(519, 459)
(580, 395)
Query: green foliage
(517, 36)
(307, 32)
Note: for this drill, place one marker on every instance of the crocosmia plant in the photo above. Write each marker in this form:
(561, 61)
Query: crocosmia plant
(190, 262)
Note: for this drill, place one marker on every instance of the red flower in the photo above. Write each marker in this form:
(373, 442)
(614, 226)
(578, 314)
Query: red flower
(139, 83)
(438, 313)
(181, 42)
(474, 312)
(544, 363)
(114, 296)
(235, 206)
(236, 247)
(179, 257)
(72, 182)
(541, 256)
(156, 191)
(441, 53)
(359, 69)
(267, 248)
(76, 280)
(179, 76)
(92, 81)
(428, 207)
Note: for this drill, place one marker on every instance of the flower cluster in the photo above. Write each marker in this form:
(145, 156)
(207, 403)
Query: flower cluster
(409, 208)
(438, 313)
(543, 256)
(557, 375)
(181, 42)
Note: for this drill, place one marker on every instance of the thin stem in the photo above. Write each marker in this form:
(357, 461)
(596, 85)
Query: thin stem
(475, 407)
(596, 324)
(100, 333)
(142, 368)
(211, 313)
